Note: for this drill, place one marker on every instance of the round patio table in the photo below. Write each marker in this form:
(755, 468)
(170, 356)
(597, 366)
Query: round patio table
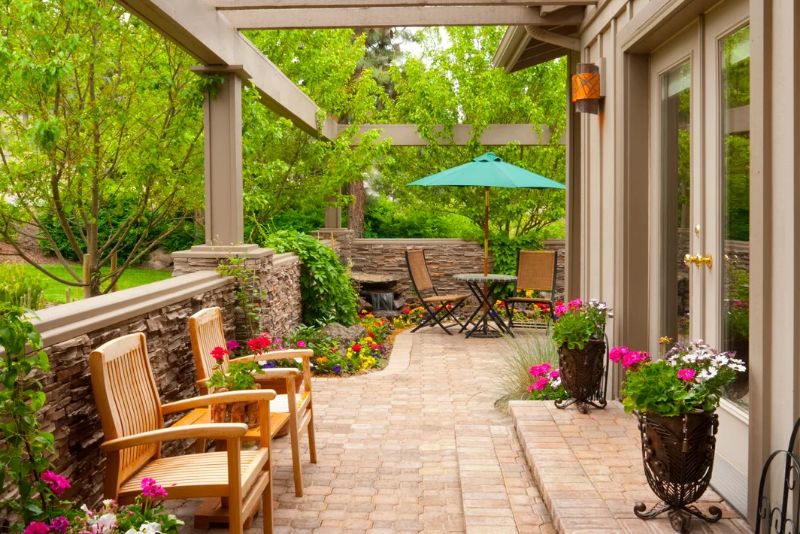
(482, 287)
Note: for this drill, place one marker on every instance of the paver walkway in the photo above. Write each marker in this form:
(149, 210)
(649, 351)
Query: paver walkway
(416, 447)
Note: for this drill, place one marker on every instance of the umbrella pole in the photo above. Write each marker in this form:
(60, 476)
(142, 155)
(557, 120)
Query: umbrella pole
(486, 232)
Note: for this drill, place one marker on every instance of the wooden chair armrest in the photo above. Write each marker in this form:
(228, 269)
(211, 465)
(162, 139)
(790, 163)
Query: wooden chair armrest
(227, 397)
(207, 431)
(288, 354)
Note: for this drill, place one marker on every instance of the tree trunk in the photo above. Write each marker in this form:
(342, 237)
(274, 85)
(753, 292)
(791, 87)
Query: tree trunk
(355, 211)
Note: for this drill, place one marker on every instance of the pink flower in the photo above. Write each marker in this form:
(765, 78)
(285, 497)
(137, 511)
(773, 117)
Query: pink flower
(152, 489)
(575, 304)
(617, 353)
(59, 525)
(560, 309)
(219, 353)
(541, 369)
(541, 383)
(632, 358)
(555, 374)
(36, 527)
(233, 345)
(55, 482)
(687, 375)
(301, 344)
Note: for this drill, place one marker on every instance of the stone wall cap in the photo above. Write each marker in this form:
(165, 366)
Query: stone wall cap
(421, 241)
(286, 259)
(232, 251)
(67, 321)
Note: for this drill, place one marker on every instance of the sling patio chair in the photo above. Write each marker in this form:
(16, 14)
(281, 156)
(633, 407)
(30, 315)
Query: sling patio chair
(536, 273)
(292, 409)
(235, 481)
(438, 307)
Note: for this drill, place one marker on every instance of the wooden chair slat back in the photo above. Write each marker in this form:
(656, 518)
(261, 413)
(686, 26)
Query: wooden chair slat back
(536, 270)
(418, 269)
(206, 331)
(127, 397)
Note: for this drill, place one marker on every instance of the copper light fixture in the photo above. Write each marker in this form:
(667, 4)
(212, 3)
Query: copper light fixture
(586, 88)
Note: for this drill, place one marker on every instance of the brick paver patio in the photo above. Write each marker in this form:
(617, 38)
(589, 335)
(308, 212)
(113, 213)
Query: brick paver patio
(417, 447)
(420, 447)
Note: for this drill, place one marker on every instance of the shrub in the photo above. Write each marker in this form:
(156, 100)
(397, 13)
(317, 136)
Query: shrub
(19, 288)
(327, 292)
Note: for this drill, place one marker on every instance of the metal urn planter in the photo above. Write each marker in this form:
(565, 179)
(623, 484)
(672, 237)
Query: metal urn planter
(583, 375)
(678, 457)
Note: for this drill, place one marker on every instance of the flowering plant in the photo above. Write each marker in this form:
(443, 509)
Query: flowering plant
(408, 317)
(578, 322)
(546, 383)
(690, 377)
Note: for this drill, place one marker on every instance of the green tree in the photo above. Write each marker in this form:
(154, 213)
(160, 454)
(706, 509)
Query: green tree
(95, 108)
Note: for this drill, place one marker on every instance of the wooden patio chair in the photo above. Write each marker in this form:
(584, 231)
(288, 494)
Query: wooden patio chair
(293, 408)
(132, 417)
(439, 307)
(536, 271)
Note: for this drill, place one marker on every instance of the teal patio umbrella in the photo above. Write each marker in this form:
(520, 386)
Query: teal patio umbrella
(486, 171)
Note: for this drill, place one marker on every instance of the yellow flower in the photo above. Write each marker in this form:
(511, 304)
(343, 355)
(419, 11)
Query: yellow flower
(664, 340)
(529, 293)
(322, 360)
(367, 339)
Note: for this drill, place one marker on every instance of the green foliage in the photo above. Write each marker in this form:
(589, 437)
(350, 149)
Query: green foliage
(579, 323)
(102, 147)
(386, 218)
(19, 288)
(327, 292)
(239, 376)
(24, 447)
(246, 290)
(689, 378)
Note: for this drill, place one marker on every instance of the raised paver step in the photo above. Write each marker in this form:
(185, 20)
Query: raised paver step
(589, 471)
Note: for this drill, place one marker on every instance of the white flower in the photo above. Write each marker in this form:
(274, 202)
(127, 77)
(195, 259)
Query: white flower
(146, 528)
(555, 383)
(707, 374)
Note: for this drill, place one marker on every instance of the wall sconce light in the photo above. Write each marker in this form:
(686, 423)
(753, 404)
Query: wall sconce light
(586, 88)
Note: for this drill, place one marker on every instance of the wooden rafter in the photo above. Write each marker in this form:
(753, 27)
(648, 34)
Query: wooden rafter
(312, 4)
(376, 17)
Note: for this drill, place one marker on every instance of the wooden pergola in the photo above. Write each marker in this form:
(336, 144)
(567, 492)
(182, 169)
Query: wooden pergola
(209, 30)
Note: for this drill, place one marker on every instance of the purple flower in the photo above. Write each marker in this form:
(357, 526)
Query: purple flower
(55, 482)
(59, 525)
(36, 527)
(270, 364)
(337, 369)
(152, 489)
(233, 345)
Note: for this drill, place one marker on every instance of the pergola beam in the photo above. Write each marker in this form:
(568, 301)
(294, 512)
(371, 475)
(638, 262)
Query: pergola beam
(492, 135)
(386, 17)
(311, 4)
(205, 34)
(553, 38)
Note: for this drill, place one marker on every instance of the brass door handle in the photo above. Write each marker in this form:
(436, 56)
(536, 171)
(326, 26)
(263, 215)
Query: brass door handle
(697, 260)
(690, 260)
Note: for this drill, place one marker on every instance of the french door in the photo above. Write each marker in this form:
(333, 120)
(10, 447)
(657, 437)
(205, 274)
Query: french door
(700, 95)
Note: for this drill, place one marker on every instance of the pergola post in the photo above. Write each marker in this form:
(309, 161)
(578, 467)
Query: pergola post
(222, 121)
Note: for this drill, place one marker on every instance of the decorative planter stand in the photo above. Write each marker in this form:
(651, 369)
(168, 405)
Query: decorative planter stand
(584, 375)
(678, 456)
(238, 412)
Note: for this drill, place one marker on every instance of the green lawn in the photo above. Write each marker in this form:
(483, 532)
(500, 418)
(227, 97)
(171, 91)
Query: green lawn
(56, 292)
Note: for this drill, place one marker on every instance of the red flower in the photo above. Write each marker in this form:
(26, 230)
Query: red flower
(259, 343)
(406, 310)
(374, 346)
(370, 334)
(219, 353)
(356, 347)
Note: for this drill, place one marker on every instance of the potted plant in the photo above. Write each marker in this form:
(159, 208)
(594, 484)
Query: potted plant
(675, 399)
(237, 376)
(579, 335)
(546, 383)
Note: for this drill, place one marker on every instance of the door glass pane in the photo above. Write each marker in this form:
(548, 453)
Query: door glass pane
(735, 77)
(676, 183)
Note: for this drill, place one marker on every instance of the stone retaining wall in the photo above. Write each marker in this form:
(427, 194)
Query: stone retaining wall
(446, 257)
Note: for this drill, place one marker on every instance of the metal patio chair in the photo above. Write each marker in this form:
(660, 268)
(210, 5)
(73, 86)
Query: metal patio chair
(438, 307)
(536, 272)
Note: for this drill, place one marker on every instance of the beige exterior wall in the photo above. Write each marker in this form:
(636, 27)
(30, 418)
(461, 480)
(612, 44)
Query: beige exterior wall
(615, 183)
